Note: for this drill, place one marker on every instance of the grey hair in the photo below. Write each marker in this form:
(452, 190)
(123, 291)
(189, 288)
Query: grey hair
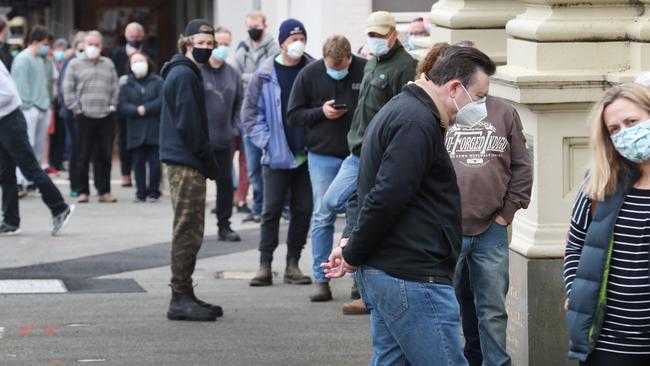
(134, 25)
(96, 34)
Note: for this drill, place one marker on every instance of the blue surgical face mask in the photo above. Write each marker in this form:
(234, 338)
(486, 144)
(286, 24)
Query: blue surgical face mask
(80, 54)
(43, 51)
(59, 56)
(337, 74)
(220, 53)
(634, 143)
(378, 46)
(14, 53)
(409, 43)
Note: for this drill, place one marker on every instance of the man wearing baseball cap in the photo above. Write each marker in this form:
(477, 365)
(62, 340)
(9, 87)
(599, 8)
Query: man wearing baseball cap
(187, 154)
(284, 159)
(386, 72)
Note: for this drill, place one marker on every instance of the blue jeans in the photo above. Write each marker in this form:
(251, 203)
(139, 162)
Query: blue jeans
(322, 171)
(342, 187)
(412, 323)
(254, 167)
(487, 260)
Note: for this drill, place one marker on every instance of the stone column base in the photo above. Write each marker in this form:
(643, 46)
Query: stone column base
(537, 334)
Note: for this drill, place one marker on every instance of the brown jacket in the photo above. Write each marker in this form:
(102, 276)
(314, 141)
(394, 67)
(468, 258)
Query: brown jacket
(493, 166)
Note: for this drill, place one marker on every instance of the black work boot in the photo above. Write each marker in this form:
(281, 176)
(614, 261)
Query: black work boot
(293, 275)
(183, 307)
(322, 293)
(227, 234)
(263, 277)
(215, 309)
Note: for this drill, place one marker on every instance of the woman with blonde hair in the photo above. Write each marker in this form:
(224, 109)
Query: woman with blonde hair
(606, 263)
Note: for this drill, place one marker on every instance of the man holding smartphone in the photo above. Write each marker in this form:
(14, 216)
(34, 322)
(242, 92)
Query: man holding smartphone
(323, 100)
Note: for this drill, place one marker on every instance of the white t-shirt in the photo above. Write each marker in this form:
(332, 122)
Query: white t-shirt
(9, 98)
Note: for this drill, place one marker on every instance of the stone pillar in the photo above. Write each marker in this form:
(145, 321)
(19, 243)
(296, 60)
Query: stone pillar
(561, 55)
(482, 21)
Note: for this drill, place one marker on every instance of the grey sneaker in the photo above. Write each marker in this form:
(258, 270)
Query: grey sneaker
(7, 230)
(59, 221)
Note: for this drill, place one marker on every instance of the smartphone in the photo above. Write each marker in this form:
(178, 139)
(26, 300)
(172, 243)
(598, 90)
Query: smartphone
(339, 106)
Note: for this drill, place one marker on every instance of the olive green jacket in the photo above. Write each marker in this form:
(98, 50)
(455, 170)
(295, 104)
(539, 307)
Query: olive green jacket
(383, 78)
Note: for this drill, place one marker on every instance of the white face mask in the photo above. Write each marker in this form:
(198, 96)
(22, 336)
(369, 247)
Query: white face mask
(92, 52)
(139, 69)
(296, 49)
(472, 112)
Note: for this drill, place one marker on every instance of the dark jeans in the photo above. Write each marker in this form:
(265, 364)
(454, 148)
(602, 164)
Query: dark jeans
(95, 135)
(73, 143)
(57, 143)
(15, 150)
(472, 348)
(277, 184)
(225, 189)
(126, 161)
(142, 156)
(601, 358)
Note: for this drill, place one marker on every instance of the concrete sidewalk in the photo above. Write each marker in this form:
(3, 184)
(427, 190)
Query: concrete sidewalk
(113, 322)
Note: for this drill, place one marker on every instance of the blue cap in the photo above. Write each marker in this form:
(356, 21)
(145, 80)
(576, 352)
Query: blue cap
(290, 27)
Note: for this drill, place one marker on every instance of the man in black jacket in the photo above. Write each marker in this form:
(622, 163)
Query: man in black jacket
(185, 149)
(323, 99)
(407, 236)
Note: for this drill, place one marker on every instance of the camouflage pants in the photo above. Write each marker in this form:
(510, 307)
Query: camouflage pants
(187, 191)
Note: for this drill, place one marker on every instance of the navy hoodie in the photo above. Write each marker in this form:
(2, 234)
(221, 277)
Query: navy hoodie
(184, 136)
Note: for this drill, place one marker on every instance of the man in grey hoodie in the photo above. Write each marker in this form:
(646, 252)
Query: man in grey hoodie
(258, 46)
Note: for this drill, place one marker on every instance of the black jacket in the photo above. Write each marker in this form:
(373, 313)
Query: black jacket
(121, 59)
(184, 137)
(5, 55)
(312, 88)
(409, 220)
(141, 130)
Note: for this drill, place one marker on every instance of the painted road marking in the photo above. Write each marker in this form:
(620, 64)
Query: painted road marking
(32, 287)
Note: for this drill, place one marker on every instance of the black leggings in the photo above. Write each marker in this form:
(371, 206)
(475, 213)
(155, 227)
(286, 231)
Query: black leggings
(602, 358)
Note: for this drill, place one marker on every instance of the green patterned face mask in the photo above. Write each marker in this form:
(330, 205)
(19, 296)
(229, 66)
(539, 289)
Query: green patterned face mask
(634, 143)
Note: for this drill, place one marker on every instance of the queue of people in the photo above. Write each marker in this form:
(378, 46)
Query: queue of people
(383, 140)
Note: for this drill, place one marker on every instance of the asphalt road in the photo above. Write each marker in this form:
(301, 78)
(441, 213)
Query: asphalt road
(113, 258)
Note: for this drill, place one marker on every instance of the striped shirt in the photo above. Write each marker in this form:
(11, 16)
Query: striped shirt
(626, 328)
(91, 88)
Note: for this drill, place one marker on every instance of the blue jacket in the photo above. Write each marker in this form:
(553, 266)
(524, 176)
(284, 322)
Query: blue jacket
(184, 136)
(587, 299)
(261, 116)
(147, 92)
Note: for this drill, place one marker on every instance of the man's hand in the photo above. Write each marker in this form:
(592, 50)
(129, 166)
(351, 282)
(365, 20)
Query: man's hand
(141, 111)
(331, 113)
(501, 221)
(566, 304)
(337, 267)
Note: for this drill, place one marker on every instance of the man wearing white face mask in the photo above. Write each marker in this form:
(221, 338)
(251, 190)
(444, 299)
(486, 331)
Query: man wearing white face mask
(494, 171)
(284, 163)
(407, 235)
(223, 97)
(90, 91)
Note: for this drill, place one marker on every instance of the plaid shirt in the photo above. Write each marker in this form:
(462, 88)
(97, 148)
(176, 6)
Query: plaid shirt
(91, 88)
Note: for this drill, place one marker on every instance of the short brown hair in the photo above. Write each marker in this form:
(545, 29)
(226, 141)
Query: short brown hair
(37, 34)
(337, 48)
(257, 14)
(183, 42)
